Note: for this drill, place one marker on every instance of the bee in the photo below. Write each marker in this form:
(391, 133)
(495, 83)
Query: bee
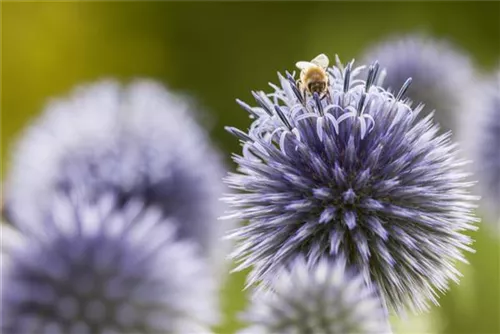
(313, 76)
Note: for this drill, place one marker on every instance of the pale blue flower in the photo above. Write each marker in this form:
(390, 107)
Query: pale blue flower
(353, 174)
(325, 299)
(441, 74)
(486, 150)
(99, 268)
(137, 141)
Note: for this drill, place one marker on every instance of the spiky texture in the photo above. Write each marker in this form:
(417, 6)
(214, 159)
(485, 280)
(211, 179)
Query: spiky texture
(352, 174)
(325, 299)
(487, 146)
(137, 141)
(97, 268)
(441, 73)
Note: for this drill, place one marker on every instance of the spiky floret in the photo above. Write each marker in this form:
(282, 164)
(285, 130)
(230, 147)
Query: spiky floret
(353, 174)
(325, 299)
(96, 268)
(138, 141)
(441, 73)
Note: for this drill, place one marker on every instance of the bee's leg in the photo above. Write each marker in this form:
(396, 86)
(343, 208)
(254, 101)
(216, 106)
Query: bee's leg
(328, 96)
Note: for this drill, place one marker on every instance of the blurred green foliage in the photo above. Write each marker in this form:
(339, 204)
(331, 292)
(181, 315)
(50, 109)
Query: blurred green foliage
(220, 51)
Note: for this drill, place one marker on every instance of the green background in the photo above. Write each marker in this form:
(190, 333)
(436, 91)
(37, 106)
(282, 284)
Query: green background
(220, 51)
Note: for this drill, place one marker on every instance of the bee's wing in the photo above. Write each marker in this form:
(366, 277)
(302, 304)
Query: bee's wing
(302, 65)
(321, 60)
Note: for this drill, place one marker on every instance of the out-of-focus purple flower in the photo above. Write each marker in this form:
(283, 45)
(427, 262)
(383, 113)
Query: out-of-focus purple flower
(441, 73)
(356, 175)
(485, 144)
(99, 268)
(325, 299)
(138, 141)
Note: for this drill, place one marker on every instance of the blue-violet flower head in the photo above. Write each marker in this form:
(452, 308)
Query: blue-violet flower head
(325, 299)
(351, 174)
(486, 150)
(137, 141)
(99, 268)
(441, 73)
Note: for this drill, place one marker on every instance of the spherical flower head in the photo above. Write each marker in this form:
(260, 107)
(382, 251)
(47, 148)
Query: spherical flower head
(441, 73)
(351, 174)
(486, 142)
(137, 141)
(96, 268)
(325, 299)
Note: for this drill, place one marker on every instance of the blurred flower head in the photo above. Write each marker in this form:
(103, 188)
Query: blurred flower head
(353, 174)
(138, 141)
(325, 299)
(441, 74)
(486, 144)
(99, 268)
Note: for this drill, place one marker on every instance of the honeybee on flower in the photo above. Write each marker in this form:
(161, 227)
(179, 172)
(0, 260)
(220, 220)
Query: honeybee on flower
(313, 76)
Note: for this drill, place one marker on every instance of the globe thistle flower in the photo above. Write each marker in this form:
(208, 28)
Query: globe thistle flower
(486, 143)
(97, 268)
(138, 141)
(352, 174)
(327, 298)
(440, 71)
